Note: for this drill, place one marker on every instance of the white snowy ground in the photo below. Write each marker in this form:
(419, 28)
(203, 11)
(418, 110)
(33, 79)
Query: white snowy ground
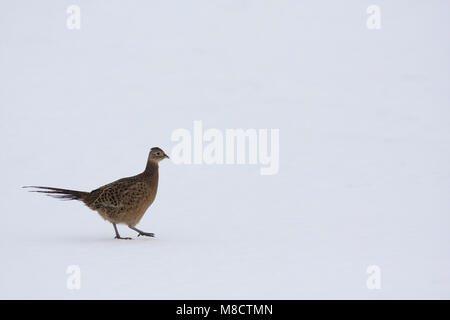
(365, 147)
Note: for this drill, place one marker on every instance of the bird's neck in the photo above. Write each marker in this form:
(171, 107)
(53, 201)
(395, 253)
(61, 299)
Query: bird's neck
(151, 168)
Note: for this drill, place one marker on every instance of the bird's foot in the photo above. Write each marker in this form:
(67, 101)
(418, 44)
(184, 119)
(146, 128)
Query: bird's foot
(147, 234)
(126, 238)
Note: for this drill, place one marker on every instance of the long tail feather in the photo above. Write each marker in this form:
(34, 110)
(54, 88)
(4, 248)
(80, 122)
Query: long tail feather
(59, 193)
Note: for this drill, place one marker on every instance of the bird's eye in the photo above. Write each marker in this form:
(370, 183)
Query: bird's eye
(158, 153)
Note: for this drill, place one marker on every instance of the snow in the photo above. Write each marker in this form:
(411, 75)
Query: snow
(364, 148)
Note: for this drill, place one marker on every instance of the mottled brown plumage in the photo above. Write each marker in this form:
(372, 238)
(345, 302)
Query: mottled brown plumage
(123, 201)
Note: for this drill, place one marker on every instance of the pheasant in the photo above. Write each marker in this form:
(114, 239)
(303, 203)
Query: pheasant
(121, 202)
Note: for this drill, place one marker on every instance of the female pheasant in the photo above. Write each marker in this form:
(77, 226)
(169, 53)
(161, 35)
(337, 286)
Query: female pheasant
(123, 201)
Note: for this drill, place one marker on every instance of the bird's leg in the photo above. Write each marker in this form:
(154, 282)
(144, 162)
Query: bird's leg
(117, 233)
(142, 233)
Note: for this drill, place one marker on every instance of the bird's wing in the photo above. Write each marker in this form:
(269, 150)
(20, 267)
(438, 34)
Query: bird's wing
(119, 195)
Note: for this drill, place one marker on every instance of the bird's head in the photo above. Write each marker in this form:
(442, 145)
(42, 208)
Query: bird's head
(156, 154)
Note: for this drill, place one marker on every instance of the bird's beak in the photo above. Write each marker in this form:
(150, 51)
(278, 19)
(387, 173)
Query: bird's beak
(166, 156)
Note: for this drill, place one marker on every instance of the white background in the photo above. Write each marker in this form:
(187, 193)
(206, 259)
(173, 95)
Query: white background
(364, 147)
